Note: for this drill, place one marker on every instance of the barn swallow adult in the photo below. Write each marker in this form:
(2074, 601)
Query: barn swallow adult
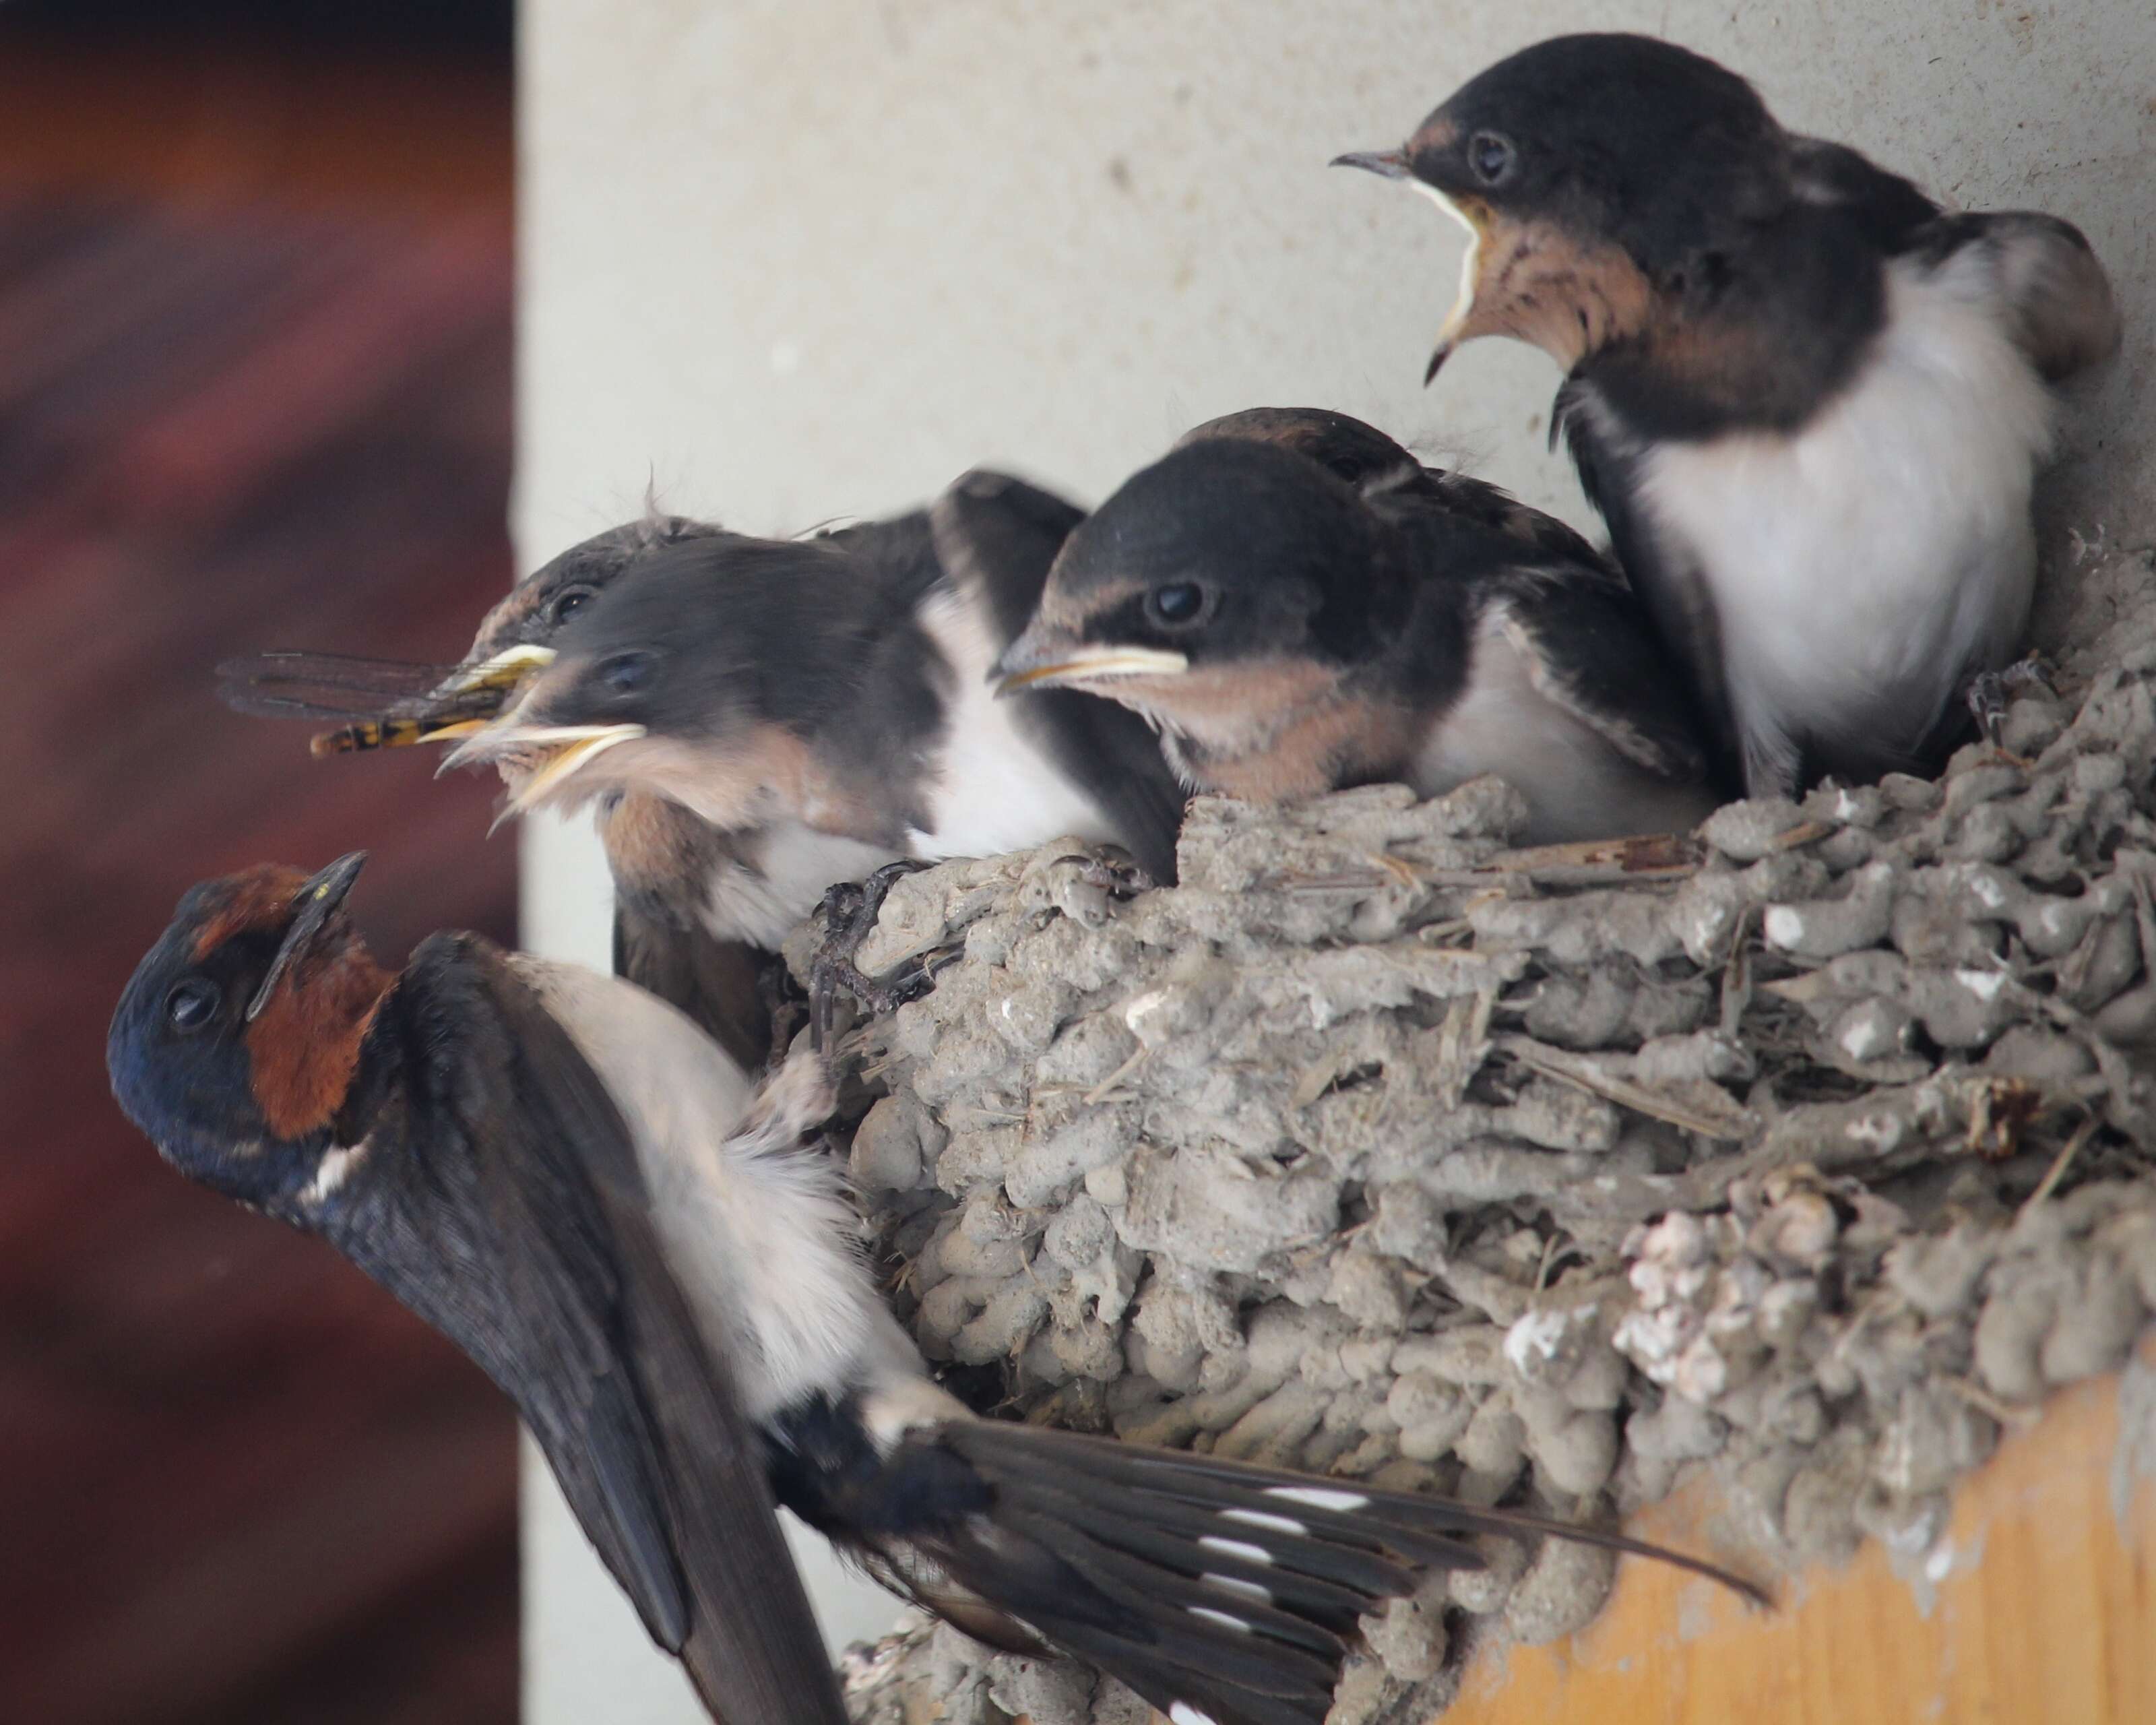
(822, 704)
(1809, 403)
(555, 1169)
(1299, 605)
(476, 1134)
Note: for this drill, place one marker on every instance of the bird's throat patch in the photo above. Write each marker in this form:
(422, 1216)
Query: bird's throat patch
(304, 1047)
(1569, 295)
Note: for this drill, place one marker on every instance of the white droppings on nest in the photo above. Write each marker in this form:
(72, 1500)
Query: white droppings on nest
(1376, 1151)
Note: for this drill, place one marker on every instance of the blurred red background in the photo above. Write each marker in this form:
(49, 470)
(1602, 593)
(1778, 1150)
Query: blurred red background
(254, 392)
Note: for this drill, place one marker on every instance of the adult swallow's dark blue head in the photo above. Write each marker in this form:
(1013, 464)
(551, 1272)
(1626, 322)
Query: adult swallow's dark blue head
(236, 1042)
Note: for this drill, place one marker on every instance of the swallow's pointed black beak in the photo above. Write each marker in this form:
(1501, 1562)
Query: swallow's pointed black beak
(318, 897)
(1392, 164)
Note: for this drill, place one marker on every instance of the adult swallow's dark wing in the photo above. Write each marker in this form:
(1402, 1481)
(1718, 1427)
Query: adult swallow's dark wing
(563, 1293)
(996, 537)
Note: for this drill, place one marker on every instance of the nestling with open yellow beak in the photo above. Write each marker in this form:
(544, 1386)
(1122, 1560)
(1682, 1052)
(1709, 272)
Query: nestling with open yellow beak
(1809, 403)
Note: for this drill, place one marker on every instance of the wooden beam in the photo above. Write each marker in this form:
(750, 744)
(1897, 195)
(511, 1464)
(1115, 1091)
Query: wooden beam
(2047, 1611)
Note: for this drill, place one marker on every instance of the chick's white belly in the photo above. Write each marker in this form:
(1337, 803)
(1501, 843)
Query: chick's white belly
(990, 788)
(1862, 566)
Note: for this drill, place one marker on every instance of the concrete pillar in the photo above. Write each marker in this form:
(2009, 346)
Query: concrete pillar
(791, 259)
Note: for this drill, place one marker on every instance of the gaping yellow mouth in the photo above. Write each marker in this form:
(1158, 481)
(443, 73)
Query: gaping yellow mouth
(1474, 217)
(1093, 664)
(568, 750)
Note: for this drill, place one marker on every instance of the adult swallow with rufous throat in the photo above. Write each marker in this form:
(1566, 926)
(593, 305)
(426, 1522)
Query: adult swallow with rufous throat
(1299, 605)
(1809, 403)
(571, 1181)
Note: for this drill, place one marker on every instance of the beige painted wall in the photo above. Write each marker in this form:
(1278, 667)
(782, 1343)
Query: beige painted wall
(799, 259)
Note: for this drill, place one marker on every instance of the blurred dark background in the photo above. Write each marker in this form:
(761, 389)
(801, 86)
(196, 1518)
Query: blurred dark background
(255, 271)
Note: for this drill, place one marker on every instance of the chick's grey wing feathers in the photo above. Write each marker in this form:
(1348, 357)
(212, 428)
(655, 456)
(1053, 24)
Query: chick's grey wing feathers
(1390, 476)
(2059, 302)
(997, 535)
(997, 538)
(718, 984)
(1885, 208)
(594, 1338)
(1589, 650)
(1670, 587)
(1493, 506)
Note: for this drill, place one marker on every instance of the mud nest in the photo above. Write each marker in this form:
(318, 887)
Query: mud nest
(1814, 1149)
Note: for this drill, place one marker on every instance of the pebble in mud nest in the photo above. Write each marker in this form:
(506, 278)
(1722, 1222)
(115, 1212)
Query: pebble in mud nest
(1808, 1149)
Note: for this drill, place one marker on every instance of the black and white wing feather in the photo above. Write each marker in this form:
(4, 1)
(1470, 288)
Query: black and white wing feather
(2060, 302)
(1223, 1594)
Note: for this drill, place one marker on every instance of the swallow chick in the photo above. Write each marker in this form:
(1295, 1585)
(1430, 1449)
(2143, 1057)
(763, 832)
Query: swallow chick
(488, 1137)
(558, 1172)
(821, 704)
(1809, 403)
(1299, 605)
(657, 852)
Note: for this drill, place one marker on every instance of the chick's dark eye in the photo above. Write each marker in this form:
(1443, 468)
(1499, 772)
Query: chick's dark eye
(191, 1004)
(1491, 155)
(625, 673)
(573, 600)
(1179, 601)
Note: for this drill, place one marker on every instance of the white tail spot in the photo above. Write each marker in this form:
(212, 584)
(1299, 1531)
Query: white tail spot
(1319, 1497)
(1183, 1713)
(1236, 1549)
(1222, 1618)
(1236, 1585)
(1258, 1518)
